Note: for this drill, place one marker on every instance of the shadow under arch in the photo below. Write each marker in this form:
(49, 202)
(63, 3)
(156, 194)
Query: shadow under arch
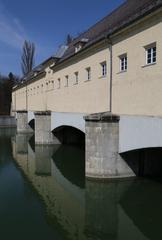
(69, 135)
(146, 162)
(32, 124)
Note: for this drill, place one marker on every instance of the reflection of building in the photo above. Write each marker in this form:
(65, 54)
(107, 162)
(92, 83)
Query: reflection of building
(64, 201)
(113, 210)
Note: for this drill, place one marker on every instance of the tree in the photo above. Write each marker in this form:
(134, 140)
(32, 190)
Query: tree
(69, 39)
(27, 58)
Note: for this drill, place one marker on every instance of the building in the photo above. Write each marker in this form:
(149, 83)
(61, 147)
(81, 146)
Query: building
(115, 67)
(115, 64)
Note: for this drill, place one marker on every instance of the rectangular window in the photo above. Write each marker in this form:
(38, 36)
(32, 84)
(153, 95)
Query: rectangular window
(76, 77)
(151, 54)
(88, 70)
(66, 81)
(123, 62)
(104, 69)
(53, 86)
(59, 83)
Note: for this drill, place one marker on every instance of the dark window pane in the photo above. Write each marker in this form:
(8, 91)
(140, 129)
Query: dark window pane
(149, 60)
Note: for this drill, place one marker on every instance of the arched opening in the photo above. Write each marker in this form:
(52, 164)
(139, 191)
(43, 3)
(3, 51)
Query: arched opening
(145, 162)
(32, 124)
(69, 135)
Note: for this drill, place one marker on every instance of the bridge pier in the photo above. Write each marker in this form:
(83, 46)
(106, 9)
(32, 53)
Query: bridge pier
(102, 148)
(43, 134)
(22, 122)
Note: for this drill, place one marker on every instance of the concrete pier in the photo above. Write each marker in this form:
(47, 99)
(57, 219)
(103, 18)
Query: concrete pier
(43, 134)
(22, 122)
(102, 148)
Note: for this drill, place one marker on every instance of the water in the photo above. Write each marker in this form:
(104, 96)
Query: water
(44, 195)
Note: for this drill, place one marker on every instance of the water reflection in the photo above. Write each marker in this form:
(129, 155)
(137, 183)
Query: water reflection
(81, 210)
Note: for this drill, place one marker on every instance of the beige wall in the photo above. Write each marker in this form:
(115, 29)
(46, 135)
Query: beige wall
(138, 91)
(84, 97)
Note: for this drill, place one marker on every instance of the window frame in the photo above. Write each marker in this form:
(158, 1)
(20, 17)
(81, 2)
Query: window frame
(88, 72)
(123, 62)
(59, 83)
(152, 53)
(66, 80)
(103, 69)
(76, 77)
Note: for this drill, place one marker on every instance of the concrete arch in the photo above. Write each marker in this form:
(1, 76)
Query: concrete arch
(32, 123)
(31, 116)
(144, 162)
(69, 135)
(138, 132)
(74, 120)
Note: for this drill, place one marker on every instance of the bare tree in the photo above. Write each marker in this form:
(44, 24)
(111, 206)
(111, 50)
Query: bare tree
(27, 58)
(69, 39)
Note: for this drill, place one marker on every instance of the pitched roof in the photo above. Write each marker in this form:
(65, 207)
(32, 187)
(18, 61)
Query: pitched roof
(125, 14)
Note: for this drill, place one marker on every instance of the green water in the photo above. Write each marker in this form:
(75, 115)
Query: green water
(44, 195)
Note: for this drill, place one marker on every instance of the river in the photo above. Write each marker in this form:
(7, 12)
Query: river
(44, 195)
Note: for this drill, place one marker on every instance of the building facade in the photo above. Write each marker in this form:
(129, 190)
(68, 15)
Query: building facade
(113, 66)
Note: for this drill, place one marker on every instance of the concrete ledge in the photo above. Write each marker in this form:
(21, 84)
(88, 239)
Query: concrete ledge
(22, 111)
(102, 117)
(45, 113)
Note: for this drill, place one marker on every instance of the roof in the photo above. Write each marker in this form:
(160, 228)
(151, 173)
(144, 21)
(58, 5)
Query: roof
(128, 12)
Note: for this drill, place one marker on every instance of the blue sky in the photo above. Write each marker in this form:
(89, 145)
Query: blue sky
(46, 23)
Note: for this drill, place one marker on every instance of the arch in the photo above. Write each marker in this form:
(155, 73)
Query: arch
(146, 162)
(139, 132)
(75, 120)
(30, 116)
(69, 135)
(32, 124)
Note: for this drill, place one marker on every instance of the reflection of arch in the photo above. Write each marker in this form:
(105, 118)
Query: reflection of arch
(142, 204)
(32, 124)
(70, 161)
(69, 135)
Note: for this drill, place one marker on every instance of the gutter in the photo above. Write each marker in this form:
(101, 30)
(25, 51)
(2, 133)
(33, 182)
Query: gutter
(111, 73)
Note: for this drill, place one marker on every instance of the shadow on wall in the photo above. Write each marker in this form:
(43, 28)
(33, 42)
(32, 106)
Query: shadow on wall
(145, 162)
(69, 135)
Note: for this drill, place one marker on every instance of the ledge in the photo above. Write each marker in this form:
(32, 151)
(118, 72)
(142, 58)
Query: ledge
(124, 71)
(45, 113)
(21, 111)
(88, 80)
(102, 117)
(148, 65)
(102, 77)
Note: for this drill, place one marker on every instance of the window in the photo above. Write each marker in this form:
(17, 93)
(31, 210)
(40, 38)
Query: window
(104, 69)
(53, 86)
(88, 73)
(46, 86)
(123, 62)
(66, 81)
(42, 88)
(59, 83)
(78, 48)
(76, 77)
(151, 54)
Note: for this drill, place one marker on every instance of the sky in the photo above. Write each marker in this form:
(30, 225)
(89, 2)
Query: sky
(46, 24)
